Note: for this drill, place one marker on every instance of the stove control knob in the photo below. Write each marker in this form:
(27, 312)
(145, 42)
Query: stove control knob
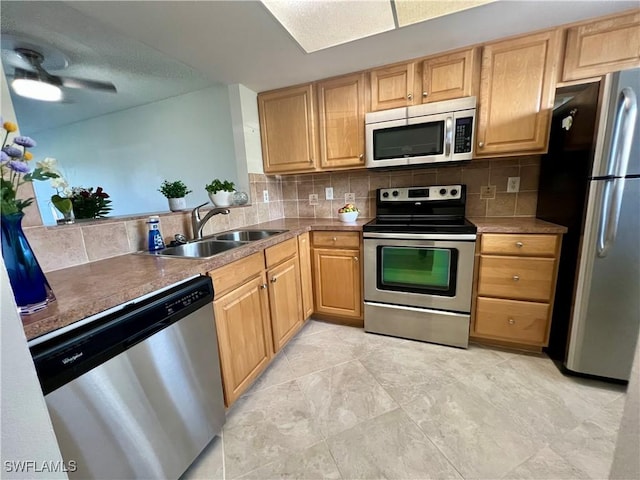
(385, 194)
(454, 192)
(443, 191)
(395, 193)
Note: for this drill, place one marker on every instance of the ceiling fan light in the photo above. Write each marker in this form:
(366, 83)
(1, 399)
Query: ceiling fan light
(36, 89)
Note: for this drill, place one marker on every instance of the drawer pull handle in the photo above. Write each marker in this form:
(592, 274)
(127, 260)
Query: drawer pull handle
(519, 244)
(511, 321)
(516, 278)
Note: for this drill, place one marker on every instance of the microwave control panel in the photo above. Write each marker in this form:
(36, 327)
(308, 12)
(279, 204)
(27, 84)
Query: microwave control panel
(463, 135)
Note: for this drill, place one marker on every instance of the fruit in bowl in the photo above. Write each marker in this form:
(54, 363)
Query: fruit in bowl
(348, 213)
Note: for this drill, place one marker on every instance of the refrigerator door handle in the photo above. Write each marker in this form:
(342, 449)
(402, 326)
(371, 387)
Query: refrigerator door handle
(622, 135)
(609, 215)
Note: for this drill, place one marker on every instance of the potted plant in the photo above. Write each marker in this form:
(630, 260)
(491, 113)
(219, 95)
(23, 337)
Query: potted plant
(221, 192)
(175, 193)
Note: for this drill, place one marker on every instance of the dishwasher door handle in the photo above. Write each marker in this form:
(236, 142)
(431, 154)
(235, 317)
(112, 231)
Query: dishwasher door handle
(153, 329)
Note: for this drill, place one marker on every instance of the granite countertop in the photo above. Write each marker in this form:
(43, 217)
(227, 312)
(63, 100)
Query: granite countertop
(85, 290)
(515, 225)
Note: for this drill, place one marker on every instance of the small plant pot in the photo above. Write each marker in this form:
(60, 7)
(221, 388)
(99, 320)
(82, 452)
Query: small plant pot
(221, 199)
(177, 204)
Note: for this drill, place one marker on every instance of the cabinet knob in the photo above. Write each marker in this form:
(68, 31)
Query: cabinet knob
(425, 94)
(519, 244)
(274, 279)
(355, 259)
(311, 160)
(481, 144)
(263, 286)
(511, 321)
(361, 156)
(334, 239)
(516, 278)
(410, 96)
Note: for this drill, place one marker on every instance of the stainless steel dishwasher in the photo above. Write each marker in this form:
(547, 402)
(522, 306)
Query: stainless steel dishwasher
(136, 393)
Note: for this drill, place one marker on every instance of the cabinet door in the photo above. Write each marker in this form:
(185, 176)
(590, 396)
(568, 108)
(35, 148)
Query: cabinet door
(449, 76)
(393, 87)
(336, 275)
(305, 275)
(284, 300)
(244, 335)
(602, 47)
(341, 108)
(516, 95)
(288, 129)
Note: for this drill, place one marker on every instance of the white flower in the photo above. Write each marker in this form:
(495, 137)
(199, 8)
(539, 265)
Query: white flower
(59, 183)
(49, 164)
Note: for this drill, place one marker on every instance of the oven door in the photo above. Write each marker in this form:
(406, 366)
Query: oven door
(419, 270)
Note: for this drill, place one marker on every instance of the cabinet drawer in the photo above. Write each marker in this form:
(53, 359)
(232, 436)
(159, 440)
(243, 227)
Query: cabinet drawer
(516, 277)
(236, 273)
(519, 244)
(336, 239)
(280, 252)
(512, 320)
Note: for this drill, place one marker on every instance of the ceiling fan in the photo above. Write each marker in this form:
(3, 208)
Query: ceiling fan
(30, 79)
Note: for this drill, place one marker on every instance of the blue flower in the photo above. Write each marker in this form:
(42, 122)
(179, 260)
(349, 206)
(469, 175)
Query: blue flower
(4, 157)
(12, 151)
(25, 141)
(18, 166)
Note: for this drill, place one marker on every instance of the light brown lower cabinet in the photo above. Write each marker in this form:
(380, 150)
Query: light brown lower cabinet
(515, 288)
(306, 281)
(243, 325)
(337, 274)
(285, 302)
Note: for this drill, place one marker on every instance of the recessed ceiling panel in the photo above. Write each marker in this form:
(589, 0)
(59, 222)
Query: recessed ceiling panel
(317, 25)
(414, 11)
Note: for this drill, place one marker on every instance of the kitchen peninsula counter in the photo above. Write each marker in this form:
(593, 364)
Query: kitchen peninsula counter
(91, 288)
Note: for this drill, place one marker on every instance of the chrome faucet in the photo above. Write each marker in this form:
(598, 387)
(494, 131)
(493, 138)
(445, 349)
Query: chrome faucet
(198, 224)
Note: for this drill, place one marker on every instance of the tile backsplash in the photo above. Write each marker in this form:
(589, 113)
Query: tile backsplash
(65, 246)
(363, 184)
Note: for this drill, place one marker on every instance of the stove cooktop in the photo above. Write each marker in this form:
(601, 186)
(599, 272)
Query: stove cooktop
(461, 225)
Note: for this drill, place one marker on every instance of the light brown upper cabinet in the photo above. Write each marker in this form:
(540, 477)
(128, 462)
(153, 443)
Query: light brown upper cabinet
(516, 95)
(450, 76)
(341, 109)
(602, 47)
(393, 87)
(288, 129)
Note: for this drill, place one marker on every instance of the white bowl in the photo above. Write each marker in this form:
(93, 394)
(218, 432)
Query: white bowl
(348, 217)
(221, 199)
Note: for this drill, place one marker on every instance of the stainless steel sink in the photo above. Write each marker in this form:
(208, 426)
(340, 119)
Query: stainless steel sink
(248, 235)
(200, 249)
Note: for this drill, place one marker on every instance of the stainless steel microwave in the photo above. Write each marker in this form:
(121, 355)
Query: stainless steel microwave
(421, 134)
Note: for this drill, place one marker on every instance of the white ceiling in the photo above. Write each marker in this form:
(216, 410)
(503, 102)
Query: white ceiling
(157, 49)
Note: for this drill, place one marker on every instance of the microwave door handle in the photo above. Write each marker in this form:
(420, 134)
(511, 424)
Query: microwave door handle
(448, 136)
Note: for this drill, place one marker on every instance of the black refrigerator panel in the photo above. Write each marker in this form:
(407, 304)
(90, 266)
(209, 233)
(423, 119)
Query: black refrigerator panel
(562, 193)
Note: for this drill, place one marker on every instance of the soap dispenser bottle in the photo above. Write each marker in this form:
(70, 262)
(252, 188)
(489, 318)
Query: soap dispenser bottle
(155, 237)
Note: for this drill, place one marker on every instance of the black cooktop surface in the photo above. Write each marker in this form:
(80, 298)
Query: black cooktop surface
(420, 225)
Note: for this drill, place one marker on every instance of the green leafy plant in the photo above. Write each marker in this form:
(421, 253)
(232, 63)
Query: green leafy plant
(175, 189)
(90, 204)
(220, 185)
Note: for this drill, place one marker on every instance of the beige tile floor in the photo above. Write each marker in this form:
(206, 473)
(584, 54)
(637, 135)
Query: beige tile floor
(339, 403)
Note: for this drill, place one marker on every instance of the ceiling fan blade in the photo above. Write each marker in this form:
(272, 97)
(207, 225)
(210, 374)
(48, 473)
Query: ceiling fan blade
(71, 82)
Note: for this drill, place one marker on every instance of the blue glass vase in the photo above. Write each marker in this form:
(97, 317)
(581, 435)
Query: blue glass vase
(30, 287)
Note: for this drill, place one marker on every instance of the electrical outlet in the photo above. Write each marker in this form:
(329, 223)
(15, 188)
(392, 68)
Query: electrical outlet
(313, 199)
(328, 193)
(488, 192)
(349, 198)
(265, 196)
(513, 185)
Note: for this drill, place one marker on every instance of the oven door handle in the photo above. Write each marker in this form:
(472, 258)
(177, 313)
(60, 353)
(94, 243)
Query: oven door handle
(421, 236)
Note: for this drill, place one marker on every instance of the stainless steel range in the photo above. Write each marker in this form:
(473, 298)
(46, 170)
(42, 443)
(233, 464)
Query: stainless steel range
(418, 269)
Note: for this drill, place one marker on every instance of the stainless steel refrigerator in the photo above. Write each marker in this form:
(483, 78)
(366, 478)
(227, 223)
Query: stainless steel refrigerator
(590, 182)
